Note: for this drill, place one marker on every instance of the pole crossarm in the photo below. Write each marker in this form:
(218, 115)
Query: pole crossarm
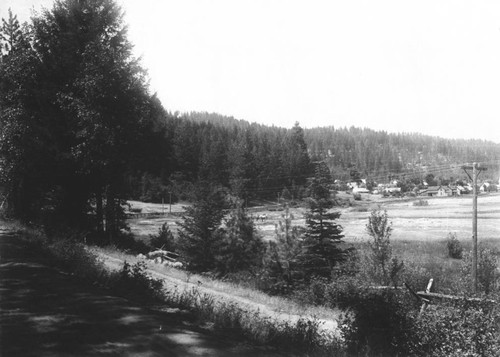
(478, 167)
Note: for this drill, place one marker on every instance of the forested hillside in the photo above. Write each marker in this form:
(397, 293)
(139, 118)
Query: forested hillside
(374, 154)
(378, 154)
(250, 160)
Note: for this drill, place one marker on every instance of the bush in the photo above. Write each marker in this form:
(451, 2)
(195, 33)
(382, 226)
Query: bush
(75, 258)
(421, 202)
(164, 239)
(487, 273)
(456, 330)
(127, 242)
(387, 323)
(133, 281)
(378, 322)
(455, 249)
(386, 268)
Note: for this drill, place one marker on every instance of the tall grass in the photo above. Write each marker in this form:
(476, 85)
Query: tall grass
(305, 334)
(244, 288)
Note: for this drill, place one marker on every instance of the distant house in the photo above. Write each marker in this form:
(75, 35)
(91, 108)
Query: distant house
(360, 190)
(488, 187)
(392, 189)
(445, 191)
(455, 191)
(430, 191)
(485, 187)
(439, 191)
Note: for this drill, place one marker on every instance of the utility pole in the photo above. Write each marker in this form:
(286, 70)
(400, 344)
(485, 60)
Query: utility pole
(476, 170)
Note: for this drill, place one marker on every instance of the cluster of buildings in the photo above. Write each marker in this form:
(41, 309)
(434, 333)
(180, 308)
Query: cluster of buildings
(455, 190)
(396, 189)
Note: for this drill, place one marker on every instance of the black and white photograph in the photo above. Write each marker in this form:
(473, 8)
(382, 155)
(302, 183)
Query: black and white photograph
(249, 178)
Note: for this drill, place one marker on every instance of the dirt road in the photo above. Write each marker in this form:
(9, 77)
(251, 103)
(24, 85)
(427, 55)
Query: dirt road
(326, 326)
(44, 312)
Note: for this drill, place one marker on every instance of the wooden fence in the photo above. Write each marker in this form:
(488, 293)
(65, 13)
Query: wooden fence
(153, 215)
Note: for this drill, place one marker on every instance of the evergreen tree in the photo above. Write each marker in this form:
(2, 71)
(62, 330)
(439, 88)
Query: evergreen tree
(297, 161)
(10, 34)
(75, 109)
(199, 233)
(241, 247)
(323, 235)
(26, 158)
(285, 250)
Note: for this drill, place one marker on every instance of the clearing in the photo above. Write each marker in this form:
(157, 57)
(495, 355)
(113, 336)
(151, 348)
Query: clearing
(432, 222)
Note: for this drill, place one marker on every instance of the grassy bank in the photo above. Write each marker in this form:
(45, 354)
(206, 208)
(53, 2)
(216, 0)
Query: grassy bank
(301, 336)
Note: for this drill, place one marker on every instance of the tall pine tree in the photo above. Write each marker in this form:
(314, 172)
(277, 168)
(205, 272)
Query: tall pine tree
(199, 233)
(74, 114)
(323, 237)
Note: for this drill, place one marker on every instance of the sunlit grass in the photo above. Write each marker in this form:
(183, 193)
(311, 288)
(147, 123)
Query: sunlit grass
(229, 290)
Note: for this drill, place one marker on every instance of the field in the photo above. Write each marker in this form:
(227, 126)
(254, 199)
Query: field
(410, 223)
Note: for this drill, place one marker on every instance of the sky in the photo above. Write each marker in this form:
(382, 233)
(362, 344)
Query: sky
(431, 67)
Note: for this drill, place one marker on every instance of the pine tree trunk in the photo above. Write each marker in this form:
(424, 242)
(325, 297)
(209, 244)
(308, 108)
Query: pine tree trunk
(99, 213)
(110, 214)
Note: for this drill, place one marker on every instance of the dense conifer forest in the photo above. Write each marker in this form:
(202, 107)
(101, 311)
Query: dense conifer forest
(260, 161)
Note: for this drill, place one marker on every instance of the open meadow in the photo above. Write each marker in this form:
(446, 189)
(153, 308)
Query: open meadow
(419, 233)
(410, 223)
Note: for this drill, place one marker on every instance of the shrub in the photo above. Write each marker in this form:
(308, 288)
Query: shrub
(313, 293)
(127, 242)
(359, 209)
(386, 269)
(73, 257)
(164, 239)
(281, 260)
(421, 202)
(377, 322)
(458, 329)
(487, 274)
(455, 249)
(133, 281)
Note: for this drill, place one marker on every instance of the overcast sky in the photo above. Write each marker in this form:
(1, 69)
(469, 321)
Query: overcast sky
(422, 66)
